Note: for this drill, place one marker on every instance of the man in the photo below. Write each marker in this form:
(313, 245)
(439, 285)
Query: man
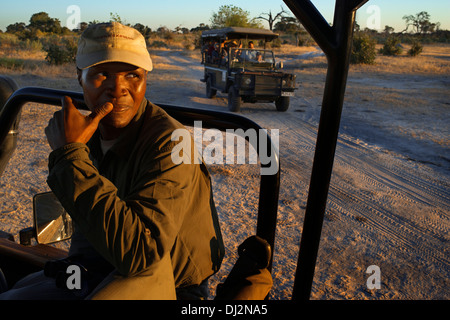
(251, 54)
(150, 221)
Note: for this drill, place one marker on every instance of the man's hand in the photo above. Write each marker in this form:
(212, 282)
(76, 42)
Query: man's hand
(69, 125)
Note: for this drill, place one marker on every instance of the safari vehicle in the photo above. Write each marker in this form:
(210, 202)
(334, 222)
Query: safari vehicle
(246, 74)
(256, 253)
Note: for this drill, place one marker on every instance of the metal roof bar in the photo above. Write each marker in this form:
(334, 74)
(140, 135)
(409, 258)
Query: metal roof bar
(336, 42)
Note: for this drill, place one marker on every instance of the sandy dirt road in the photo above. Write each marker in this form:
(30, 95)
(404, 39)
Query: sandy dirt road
(389, 197)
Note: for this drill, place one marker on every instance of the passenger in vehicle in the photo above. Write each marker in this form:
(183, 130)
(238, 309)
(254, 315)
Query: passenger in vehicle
(210, 51)
(217, 53)
(251, 54)
(145, 227)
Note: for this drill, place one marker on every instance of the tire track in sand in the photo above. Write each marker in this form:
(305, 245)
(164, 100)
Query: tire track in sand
(397, 204)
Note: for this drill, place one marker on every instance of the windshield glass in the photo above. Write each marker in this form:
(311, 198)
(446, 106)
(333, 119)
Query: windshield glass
(251, 58)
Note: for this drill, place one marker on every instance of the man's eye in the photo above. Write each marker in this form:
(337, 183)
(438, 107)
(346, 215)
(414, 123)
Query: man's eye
(132, 75)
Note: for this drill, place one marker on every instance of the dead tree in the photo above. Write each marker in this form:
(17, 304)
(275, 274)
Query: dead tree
(270, 19)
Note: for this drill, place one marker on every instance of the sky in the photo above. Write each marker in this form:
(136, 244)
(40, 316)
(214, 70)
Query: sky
(375, 14)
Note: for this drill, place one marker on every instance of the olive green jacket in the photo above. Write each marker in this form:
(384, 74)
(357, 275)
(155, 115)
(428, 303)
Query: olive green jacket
(134, 205)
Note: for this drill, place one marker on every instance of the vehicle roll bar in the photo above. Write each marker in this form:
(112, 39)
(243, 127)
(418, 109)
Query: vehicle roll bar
(336, 43)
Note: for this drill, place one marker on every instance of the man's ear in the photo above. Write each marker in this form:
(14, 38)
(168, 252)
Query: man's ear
(79, 74)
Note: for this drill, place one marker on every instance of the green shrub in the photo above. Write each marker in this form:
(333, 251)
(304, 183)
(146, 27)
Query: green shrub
(61, 53)
(276, 43)
(363, 49)
(11, 63)
(416, 49)
(9, 40)
(305, 39)
(32, 45)
(392, 47)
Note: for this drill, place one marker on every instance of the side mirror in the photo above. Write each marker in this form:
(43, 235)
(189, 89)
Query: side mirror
(51, 222)
(280, 65)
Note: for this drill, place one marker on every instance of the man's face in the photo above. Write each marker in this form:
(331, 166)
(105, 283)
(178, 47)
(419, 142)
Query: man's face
(121, 84)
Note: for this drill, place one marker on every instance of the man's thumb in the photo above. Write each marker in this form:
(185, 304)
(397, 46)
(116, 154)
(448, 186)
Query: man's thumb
(101, 112)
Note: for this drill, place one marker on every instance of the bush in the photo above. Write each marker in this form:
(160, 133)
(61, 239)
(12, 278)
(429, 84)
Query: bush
(61, 53)
(158, 44)
(363, 49)
(32, 45)
(305, 39)
(11, 63)
(392, 47)
(276, 43)
(416, 49)
(189, 46)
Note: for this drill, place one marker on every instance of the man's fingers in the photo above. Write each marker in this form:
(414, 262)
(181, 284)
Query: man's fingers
(67, 102)
(68, 106)
(101, 112)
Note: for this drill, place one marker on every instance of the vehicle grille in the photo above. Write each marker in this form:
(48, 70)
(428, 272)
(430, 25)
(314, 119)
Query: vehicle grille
(267, 85)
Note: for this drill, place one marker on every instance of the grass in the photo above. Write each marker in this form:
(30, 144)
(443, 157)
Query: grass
(28, 57)
(435, 60)
(11, 63)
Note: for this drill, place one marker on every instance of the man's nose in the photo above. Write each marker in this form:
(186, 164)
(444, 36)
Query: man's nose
(116, 86)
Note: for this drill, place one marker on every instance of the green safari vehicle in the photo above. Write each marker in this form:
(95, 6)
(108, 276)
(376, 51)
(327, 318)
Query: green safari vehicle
(247, 74)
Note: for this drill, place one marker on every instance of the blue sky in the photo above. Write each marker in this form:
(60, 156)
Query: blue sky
(173, 13)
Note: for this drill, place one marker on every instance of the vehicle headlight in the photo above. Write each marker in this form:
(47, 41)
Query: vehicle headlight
(283, 83)
(247, 81)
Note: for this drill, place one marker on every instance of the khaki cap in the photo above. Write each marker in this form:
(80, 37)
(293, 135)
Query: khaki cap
(112, 42)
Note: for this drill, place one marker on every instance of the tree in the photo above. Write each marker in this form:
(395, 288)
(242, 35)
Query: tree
(144, 30)
(114, 17)
(388, 30)
(18, 27)
(288, 25)
(271, 20)
(201, 27)
(420, 23)
(292, 26)
(232, 16)
(363, 49)
(41, 21)
(81, 27)
(392, 47)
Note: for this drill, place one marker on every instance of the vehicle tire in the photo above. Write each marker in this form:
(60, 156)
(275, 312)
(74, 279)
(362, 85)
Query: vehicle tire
(234, 100)
(210, 92)
(282, 103)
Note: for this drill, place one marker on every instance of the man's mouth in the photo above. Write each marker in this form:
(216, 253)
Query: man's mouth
(119, 108)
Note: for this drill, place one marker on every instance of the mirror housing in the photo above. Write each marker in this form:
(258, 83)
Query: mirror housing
(280, 65)
(51, 221)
